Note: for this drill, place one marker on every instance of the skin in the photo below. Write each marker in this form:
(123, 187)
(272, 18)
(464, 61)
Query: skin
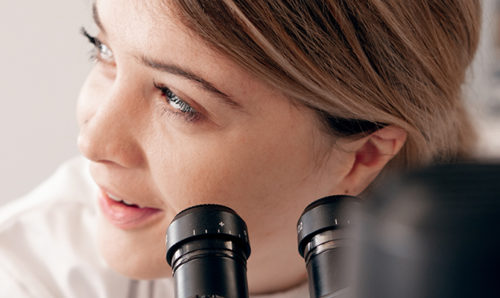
(264, 157)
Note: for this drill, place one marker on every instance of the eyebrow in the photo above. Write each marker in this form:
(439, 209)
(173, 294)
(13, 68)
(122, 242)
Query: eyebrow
(177, 70)
(172, 68)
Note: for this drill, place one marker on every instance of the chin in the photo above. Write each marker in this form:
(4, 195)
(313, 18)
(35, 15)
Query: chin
(132, 254)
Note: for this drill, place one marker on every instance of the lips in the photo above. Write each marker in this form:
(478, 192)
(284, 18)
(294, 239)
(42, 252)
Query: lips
(126, 215)
(119, 200)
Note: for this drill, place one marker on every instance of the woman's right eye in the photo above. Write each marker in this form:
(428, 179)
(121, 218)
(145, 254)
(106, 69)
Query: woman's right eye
(101, 52)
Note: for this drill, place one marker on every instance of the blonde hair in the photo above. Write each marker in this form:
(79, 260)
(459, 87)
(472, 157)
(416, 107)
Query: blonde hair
(360, 64)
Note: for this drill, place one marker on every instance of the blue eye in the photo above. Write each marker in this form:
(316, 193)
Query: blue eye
(176, 102)
(101, 52)
(176, 105)
(105, 52)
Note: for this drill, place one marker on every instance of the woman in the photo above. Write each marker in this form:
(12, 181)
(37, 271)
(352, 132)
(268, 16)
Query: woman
(263, 106)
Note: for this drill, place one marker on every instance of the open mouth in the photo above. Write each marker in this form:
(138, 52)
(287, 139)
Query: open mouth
(124, 214)
(116, 199)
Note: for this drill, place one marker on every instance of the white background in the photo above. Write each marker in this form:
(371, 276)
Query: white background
(43, 62)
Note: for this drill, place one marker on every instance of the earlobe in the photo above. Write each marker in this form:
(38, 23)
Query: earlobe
(371, 154)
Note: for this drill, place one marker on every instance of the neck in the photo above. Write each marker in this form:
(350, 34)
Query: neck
(276, 269)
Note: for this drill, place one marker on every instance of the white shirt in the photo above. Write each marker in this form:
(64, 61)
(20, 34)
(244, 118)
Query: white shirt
(48, 246)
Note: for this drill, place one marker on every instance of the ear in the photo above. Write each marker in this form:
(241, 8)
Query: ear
(369, 156)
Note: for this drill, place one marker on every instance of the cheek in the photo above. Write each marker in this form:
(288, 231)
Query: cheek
(234, 170)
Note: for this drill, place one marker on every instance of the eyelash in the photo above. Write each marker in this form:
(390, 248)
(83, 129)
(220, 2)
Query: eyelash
(100, 50)
(187, 112)
(183, 108)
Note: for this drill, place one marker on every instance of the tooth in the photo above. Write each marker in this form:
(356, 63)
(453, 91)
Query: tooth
(122, 201)
(114, 198)
(128, 204)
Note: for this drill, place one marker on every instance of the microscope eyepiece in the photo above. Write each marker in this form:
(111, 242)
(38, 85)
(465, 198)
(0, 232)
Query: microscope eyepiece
(207, 248)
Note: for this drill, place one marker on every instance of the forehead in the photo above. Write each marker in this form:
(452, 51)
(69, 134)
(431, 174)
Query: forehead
(146, 22)
(151, 28)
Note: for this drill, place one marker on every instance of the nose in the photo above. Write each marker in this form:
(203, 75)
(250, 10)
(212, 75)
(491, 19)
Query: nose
(108, 128)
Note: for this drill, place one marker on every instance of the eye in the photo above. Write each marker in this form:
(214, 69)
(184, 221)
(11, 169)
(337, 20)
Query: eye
(101, 52)
(105, 52)
(177, 106)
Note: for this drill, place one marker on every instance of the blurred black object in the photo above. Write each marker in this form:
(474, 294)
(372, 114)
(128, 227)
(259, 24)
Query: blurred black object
(207, 248)
(434, 233)
(325, 242)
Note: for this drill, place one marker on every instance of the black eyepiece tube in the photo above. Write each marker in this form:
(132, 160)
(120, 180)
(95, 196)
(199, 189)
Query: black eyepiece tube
(207, 248)
(324, 242)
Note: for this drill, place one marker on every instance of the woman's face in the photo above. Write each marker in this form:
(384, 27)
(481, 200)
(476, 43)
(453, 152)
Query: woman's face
(168, 123)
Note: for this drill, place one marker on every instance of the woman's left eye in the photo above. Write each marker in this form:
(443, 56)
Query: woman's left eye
(177, 106)
(101, 52)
